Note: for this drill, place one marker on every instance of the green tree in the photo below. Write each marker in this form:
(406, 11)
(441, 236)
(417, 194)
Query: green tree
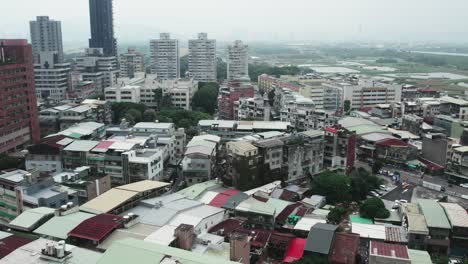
(312, 260)
(347, 106)
(372, 208)
(121, 109)
(166, 101)
(205, 99)
(334, 186)
(377, 166)
(221, 70)
(271, 97)
(149, 115)
(134, 115)
(8, 162)
(336, 215)
(441, 259)
(183, 65)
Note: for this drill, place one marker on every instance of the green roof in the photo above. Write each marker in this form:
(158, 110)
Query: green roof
(367, 129)
(434, 214)
(60, 226)
(29, 218)
(198, 189)
(278, 204)
(132, 250)
(313, 133)
(360, 220)
(419, 256)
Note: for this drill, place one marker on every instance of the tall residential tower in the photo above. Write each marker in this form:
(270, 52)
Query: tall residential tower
(102, 26)
(202, 58)
(46, 36)
(19, 124)
(237, 61)
(165, 57)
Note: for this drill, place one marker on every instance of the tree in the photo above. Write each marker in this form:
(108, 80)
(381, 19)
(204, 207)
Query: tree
(377, 166)
(205, 99)
(221, 70)
(166, 101)
(8, 162)
(271, 97)
(149, 115)
(336, 215)
(120, 109)
(134, 115)
(312, 260)
(347, 106)
(334, 186)
(183, 65)
(372, 208)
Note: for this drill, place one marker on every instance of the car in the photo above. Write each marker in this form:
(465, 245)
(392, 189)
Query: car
(374, 194)
(402, 201)
(379, 191)
(395, 206)
(464, 185)
(454, 261)
(383, 187)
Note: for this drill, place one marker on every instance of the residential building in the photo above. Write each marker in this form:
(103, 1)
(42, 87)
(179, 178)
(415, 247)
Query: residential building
(435, 147)
(199, 162)
(98, 67)
(453, 107)
(340, 148)
(458, 218)
(458, 166)
(181, 92)
(101, 16)
(126, 93)
(237, 61)
(52, 78)
(412, 123)
(80, 90)
(131, 62)
(270, 152)
(74, 115)
(202, 58)
(242, 165)
(267, 83)
(165, 57)
(394, 150)
(231, 93)
(453, 126)
(368, 92)
(19, 124)
(380, 252)
(229, 130)
(320, 240)
(429, 106)
(46, 155)
(46, 36)
(75, 154)
(439, 227)
(145, 164)
(256, 108)
(415, 223)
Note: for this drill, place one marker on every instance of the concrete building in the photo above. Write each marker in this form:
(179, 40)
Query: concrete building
(199, 162)
(453, 126)
(267, 83)
(46, 36)
(202, 58)
(368, 92)
(180, 90)
(340, 148)
(237, 61)
(243, 165)
(257, 108)
(383, 253)
(126, 93)
(229, 94)
(458, 166)
(46, 156)
(19, 124)
(52, 78)
(99, 68)
(101, 16)
(131, 62)
(456, 108)
(439, 227)
(435, 149)
(165, 57)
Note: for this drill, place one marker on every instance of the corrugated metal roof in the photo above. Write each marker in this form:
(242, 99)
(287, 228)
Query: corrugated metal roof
(320, 238)
(198, 189)
(128, 250)
(252, 205)
(456, 214)
(417, 224)
(377, 248)
(278, 204)
(419, 256)
(163, 236)
(369, 231)
(306, 223)
(97, 227)
(29, 218)
(60, 226)
(345, 248)
(143, 186)
(11, 243)
(81, 145)
(108, 201)
(434, 214)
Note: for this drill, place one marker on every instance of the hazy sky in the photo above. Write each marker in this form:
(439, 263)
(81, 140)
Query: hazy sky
(253, 20)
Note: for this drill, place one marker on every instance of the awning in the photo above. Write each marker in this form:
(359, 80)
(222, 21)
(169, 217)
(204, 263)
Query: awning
(432, 166)
(367, 147)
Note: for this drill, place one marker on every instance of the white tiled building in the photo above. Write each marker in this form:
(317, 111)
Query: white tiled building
(202, 58)
(180, 90)
(126, 93)
(96, 67)
(52, 78)
(131, 62)
(237, 61)
(165, 57)
(46, 36)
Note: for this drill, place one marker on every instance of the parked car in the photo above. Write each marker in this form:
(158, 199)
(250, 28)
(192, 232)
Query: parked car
(403, 201)
(383, 187)
(380, 192)
(374, 194)
(464, 185)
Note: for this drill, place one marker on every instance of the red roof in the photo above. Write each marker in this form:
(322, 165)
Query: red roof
(283, 215)
(331, 130)
(388, 250)
(431, 165)
(104, 144)
(226, 227)
(11, 243)
(295, 250)
(220, 199)
(98, 227)
(392, 142)
(345, 248)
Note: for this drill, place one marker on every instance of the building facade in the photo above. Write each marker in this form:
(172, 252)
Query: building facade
(95, 66)
(202, 58)
(101, 15)
(237, 61)
(165, 57)
(19, 123)
(131, 62)
(52, 78)
(46, 36)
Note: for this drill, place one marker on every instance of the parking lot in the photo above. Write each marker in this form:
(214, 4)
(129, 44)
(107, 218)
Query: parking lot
(399, 193)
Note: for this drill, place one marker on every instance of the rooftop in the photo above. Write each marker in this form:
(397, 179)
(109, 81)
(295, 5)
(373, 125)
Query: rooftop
(108, 201)
(15, 176)
(81, 145)
(419, 256)
(417, 224)
(198, 189)
(388, 250)
(320, 238)
(452, 100)
(29, 218)
(153, 125)
(434, 214)
(138, 231)
(456, 214)
(306, 223)
(60, 226)
(360, 220)
(369, 231)
(253, 205)
(10, 244)
(345, 248)
(97, 227)
(128, 250)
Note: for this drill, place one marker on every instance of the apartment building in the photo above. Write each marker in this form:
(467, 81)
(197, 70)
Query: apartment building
(99, 68)
(125, 93)
(230, 93)
(368, 92)
(46, 156)
(267, 83)
(340, 148)
(46, 36)
(180, 90)
(19, 124)
(237, 61)
(200, 159)
(131, 62)
(454, 107)
(202, 58)
(228, 129)
(256, 108)
(52, 78)
(165, 61)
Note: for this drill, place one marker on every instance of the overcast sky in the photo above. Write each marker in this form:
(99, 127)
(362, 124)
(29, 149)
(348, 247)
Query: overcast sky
(253, 20)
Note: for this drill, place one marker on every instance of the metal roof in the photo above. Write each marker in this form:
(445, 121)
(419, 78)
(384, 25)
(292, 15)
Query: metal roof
(377, 248)
(108, 201)
(153, 125)
(128, 250)
(434, 214)
(97, 227)
(313, 133)
(194, 191)
(11, 243)
(360, 220)
(143, 186)
(81, 145)
(320, 238)
(29, 218)
(306, 223)
(345, 248)
(369, 231)
(253, 205)
(278, 204)
(138, 231)
(162, 236)
(419, 256)
(60, 226)
(14, 176)
(456, 214)
(417, 224)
